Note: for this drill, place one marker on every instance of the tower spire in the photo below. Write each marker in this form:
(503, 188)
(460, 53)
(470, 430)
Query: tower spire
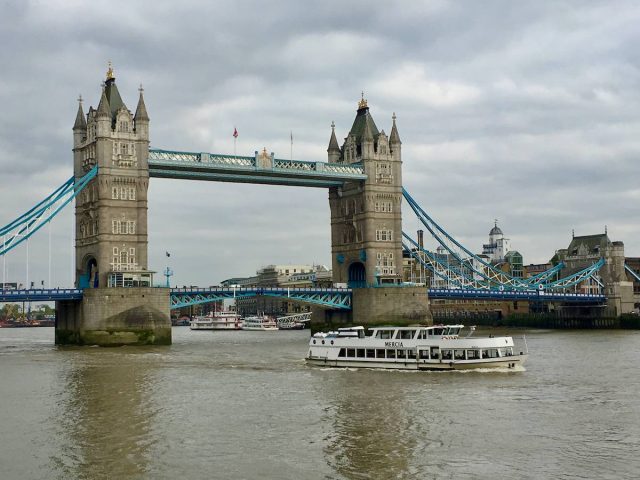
(81, 122)
(334, 148)
(141, 109)
(394, 138)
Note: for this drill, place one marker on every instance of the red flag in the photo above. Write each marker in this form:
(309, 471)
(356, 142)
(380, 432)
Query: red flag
(235, 132)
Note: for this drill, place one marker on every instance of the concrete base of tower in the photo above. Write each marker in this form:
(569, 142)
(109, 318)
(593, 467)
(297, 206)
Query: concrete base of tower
(115, 317)
(392, 305)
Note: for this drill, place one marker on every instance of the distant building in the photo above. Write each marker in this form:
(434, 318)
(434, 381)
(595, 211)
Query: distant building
(498, 246)
(291, 276)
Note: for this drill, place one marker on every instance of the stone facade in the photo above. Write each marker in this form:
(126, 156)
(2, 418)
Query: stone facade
(119, 305)
(111, 212)
(585, 250)
(366, 220)
(114, 317)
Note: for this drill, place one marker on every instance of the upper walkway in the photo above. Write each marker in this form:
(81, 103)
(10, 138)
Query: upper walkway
(258, 169)
(332, 298)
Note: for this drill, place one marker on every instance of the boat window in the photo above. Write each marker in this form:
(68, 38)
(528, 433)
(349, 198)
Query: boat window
(411, 354)
(371, 353)
(402, 354)
(384, 334)
(351, 352)
(458, 354)
(490, 353)
(502, 352)
(360, 353)
(454, 331)
(342, 353)
(406, 334)
(422, 334)
(438, 331)
(509, 351)
(435, 352)
(473, 354)
(380, 353)
(424, 353)
(447, 354)
(391, 354)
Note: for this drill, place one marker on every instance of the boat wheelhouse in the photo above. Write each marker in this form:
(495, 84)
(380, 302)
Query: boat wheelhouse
(438, 347)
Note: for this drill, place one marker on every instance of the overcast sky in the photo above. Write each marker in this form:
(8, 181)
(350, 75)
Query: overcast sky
(528, 112)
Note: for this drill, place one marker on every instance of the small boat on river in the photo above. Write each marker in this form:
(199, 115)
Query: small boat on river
(217, 321)
(259, 322)
(438, 347)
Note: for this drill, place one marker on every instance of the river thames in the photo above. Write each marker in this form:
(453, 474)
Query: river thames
(243, 405)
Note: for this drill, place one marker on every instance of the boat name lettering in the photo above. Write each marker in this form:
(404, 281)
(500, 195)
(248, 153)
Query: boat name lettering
(393, 344)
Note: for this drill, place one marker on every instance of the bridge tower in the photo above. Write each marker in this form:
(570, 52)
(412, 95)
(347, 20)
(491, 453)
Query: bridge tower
(366, 224)
(111, 230)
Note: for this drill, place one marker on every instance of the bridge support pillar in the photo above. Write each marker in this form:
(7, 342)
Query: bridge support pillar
(115, 317)
(389, 305)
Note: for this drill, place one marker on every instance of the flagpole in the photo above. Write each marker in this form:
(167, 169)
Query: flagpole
(291, 153)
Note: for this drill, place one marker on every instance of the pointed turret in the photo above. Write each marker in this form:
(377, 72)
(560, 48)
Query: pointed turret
(81, 122)
(141, 118)
(394, 139)
(80, 125)
(141, 110)
(103, 110)
(334, 148)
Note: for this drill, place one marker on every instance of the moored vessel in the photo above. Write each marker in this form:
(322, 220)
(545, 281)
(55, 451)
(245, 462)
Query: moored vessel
(217, 321)
(437, 347)
(259, 322)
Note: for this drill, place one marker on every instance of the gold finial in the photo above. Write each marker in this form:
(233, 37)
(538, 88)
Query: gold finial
(110, 75)
(362, 103)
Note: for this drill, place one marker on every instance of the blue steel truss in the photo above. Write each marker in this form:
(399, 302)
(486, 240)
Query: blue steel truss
(333, 298)
(467, 270)
(531, 295)
(40, 295)
(23, 227)
(231, 168)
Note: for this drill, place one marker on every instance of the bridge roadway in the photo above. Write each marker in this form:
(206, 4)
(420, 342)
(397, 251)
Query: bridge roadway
(259, 169)
(334, 298)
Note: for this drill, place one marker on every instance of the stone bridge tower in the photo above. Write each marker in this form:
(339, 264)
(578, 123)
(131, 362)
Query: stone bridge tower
(111, 212)
(366, 227)
(119, 305)
(366, 220)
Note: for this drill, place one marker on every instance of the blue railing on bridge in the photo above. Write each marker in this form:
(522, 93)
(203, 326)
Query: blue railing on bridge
(531, 295)
(334, 298)
(40, 295)
(338, 298)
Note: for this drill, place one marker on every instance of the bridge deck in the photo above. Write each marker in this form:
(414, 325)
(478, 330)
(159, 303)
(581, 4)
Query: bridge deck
(229, 168)
(331, 297)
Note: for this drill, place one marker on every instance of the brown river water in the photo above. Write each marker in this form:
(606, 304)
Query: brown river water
(243, 405)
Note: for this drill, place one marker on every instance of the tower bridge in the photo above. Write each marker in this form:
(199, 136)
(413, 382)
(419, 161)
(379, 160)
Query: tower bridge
(115, 302)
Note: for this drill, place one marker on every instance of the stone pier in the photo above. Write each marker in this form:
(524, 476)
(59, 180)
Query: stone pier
(115, 317)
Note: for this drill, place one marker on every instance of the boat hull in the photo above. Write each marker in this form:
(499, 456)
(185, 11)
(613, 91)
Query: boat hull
(503, 362)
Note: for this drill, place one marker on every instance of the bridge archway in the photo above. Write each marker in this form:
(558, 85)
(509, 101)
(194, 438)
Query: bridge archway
(89, 276)
(357, 275)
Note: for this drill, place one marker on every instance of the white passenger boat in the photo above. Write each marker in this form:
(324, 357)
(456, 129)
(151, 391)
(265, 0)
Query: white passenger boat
(217, 321)
(259, 322)
(437, 347)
